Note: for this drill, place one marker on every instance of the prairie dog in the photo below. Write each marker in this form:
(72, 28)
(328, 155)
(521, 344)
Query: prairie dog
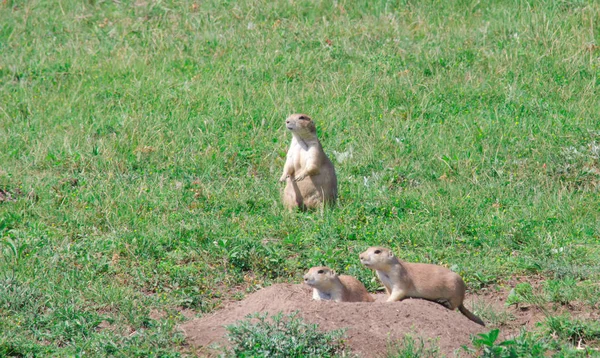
(309, 174)
(404, 279)
(327, 285)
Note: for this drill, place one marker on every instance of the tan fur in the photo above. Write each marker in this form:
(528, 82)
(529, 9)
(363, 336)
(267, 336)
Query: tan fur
(309, 174)
(403, 279)
(329, 286)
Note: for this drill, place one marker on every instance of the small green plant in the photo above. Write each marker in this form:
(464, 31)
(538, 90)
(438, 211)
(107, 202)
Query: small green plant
(484, 280)
(487, 343)
(13, 251)
(411, 347)
(524, 345)
(283, 336)
(522, 293)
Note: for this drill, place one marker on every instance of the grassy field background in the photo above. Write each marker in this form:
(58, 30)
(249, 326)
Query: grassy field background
(142, 143)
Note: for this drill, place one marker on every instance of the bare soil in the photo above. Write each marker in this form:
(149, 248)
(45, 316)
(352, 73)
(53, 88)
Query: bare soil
(371, 327)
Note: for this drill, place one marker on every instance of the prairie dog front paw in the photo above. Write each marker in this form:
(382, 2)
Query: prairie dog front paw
(300, 177)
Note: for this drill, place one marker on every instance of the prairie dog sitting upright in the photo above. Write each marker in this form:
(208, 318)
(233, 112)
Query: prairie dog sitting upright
(329, 286)
(309, 174)
(403, 279)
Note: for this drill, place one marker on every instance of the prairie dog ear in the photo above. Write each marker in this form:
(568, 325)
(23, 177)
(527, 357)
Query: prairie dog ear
(332, 273)
(390, 254)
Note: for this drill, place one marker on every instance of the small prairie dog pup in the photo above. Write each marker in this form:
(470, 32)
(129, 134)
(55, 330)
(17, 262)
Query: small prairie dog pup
(404, 279)
(309, 174)
(329, 286)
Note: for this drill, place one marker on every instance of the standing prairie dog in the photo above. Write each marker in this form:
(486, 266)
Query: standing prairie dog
(309, 174)
(327, 285)
(404, 279)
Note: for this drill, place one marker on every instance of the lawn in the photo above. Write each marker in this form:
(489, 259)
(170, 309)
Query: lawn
(141, 143)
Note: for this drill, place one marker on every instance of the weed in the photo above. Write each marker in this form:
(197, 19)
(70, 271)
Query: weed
(522, 346)
(412, 348)
(284, 336)
(521, 293)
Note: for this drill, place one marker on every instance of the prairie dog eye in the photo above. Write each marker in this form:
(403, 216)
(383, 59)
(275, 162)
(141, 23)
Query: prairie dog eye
(377, 251)
(303, 117)
(321, 271)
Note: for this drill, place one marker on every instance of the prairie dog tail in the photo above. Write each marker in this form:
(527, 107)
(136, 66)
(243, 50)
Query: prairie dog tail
(470, 315)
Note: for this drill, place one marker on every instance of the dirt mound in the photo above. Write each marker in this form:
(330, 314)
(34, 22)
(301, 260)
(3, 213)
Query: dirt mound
(370, 326)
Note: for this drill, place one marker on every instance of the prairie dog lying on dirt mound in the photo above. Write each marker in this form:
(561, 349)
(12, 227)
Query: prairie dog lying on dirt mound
(329, 286)
(404, 279)
(309, 174)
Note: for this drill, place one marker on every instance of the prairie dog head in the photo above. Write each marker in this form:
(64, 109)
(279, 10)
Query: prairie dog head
(319, 277)
(301, 124)
(378, 258)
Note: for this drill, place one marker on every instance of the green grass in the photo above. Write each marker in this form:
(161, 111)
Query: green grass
(143, 142)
